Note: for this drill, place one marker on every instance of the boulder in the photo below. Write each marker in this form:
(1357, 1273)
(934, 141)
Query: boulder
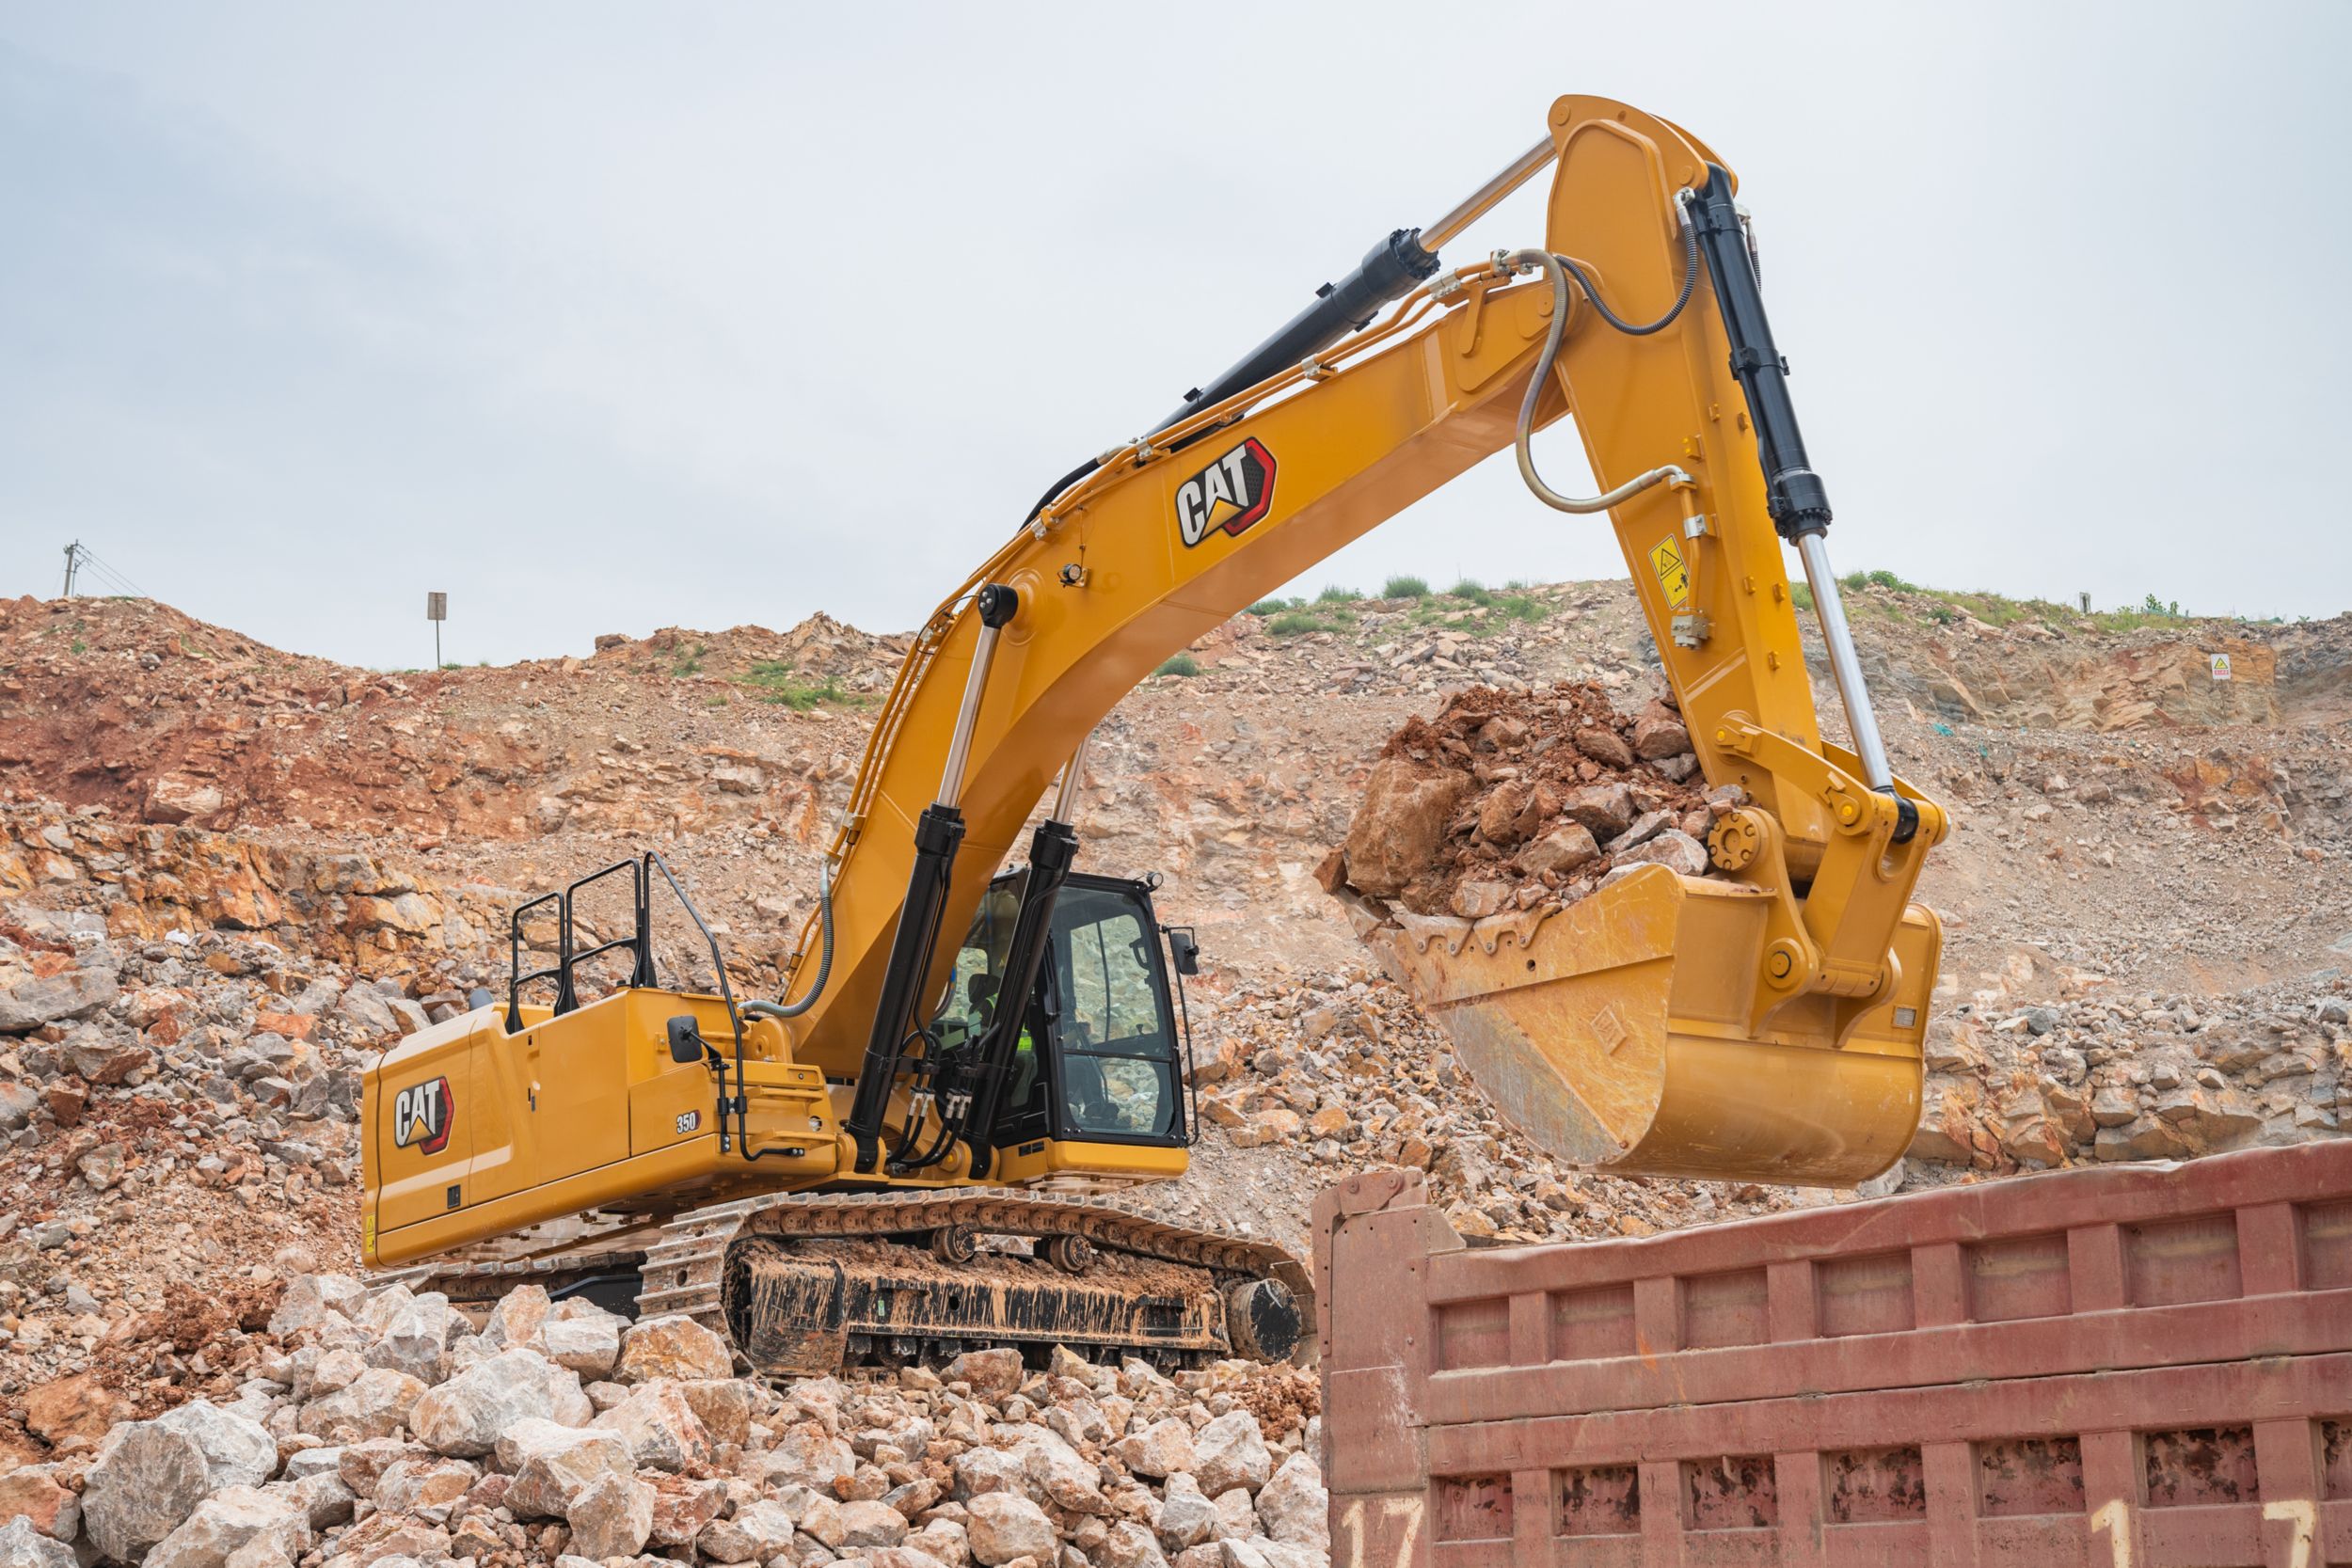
(1001, 1526)
(237, 1450)
(23, 1546)
(1294, 1506)
(35, 1494)
(464, 1416)
(583, 1336)
(1158, 1452)
(324, 1498)
(723, 1405)
(1660, 735)
(558, 1466)
(1055, 1472)
(613, 1518)
(378, 1402)
(1402, 821)
(516, 1319)
(229, 1520)
(757, 1533)
(659, 1428)
(426, 1480)
(864, 1526)
(1563, 849)
(1606, 747)
(1236, 1520)
(805, 1454)
(364, 1464)
(980, 1471)
(52, 999)
(1477, 899)
(992, 1373)
(1231, 1452)
(673, 1347)
(1498, 818)
(386, 1537)
(1673, 848)
(410, 1333)
(76, 1406)
(683, 1508)
(1188, 1518)
(1130, 1546)
(1603, 810)
(144, 1484)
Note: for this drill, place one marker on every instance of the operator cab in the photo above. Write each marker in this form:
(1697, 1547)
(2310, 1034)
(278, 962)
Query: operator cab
(1098, 1058)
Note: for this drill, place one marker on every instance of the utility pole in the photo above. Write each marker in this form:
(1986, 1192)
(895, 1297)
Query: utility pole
(72, 563)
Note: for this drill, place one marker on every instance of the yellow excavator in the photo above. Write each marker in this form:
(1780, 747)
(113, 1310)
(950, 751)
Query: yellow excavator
(916, 1152)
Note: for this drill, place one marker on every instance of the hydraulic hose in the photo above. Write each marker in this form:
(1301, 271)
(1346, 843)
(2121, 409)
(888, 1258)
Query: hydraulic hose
(1558, 272)
(824, 959)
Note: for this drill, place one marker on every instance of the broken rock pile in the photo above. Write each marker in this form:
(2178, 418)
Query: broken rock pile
(1516, 801)
(381, 1428)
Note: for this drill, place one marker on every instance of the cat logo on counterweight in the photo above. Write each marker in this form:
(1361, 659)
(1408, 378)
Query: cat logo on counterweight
(422, 1115)
(1228, 494)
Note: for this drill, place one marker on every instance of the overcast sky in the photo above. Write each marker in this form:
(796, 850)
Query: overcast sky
(609, 317)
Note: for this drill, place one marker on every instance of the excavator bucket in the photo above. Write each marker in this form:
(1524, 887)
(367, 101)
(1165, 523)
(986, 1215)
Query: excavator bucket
(1615, 1033)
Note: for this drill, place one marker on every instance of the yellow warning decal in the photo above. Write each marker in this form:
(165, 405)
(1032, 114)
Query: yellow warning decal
(1674, 576)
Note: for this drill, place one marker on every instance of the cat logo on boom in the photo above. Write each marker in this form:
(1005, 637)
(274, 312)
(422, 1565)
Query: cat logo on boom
(422, 1115)
(1230, 494)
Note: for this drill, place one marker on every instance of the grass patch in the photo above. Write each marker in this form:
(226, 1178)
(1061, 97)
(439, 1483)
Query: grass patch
(777, 682)
(1179, 663)
(80, 646)
(1521, 607)
(1334, 593)
(690, 663)
(1273, 607)
(1293, 623)
(1471, 590)
(1854, 581)
(1404, 588)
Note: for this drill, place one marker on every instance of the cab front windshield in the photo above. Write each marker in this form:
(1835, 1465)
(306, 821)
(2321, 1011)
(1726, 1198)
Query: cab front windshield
(1116, 1064)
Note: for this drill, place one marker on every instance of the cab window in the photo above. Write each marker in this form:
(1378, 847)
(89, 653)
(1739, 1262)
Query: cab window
(1117, 1043)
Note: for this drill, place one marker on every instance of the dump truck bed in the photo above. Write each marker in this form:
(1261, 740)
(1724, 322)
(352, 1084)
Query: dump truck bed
(2149, 1363)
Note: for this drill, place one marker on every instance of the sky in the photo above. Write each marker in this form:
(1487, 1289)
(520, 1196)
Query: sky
(608, 317)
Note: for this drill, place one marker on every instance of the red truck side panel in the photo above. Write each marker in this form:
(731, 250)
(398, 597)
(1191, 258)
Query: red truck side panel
(2125, 1366)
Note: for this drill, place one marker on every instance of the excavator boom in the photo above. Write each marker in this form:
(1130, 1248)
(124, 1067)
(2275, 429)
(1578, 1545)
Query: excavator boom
(1768, 1027)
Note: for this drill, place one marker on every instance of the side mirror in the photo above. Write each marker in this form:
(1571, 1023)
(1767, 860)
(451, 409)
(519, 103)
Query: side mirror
(1185, 951)
(686, 1040)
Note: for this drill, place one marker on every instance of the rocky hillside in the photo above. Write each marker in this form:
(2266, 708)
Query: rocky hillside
(229, 874)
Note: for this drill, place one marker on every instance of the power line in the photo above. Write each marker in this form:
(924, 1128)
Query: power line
(112, 575)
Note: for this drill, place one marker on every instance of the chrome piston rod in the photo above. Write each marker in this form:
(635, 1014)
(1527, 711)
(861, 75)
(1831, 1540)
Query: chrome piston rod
(1479, 202)
(1845, 665)
(1066, 796)
(969, 712)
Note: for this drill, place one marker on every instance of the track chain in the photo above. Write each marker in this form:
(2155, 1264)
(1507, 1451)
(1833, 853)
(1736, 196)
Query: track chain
(683, 1262)
(682, 1269)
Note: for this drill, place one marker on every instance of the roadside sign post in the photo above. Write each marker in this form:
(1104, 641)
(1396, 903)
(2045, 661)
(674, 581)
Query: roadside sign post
(436, 612)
